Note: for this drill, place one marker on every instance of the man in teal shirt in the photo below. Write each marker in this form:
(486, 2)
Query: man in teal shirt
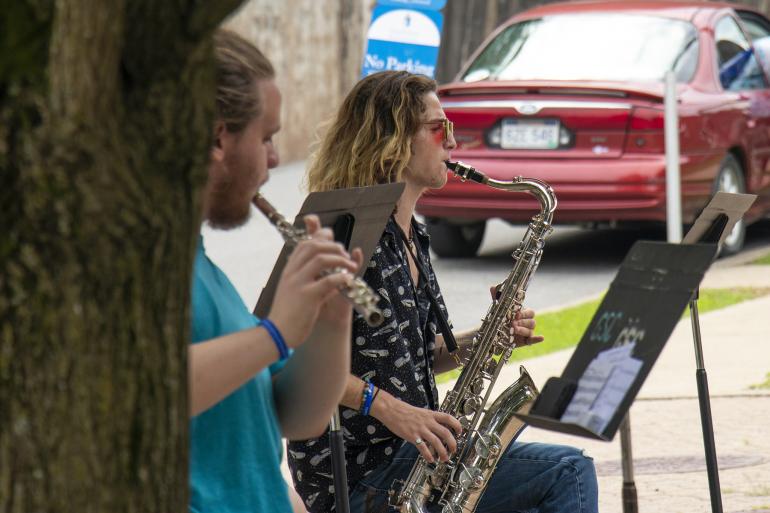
(245, 390)
(227, 459)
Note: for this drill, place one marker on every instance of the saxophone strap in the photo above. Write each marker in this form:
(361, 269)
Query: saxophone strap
(443, 324)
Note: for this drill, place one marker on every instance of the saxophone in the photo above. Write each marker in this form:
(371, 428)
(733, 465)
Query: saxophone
(458, 484)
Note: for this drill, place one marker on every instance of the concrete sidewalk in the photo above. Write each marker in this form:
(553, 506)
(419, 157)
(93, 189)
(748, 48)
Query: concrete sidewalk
(669, 463)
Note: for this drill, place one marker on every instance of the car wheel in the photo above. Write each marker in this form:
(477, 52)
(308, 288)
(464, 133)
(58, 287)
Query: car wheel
(730, 179)
(452, 240)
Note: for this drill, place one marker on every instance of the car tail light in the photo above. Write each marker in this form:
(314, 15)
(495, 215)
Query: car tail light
(645, 131)
(644, 118)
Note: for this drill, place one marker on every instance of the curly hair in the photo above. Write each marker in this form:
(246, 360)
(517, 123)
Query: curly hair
(369, 140)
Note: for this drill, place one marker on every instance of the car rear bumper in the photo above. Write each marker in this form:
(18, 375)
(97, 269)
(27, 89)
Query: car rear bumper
(590, 191)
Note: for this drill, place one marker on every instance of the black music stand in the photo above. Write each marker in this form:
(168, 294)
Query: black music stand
(713, 226)
(709, 230)
(643, 305)
(358, 217)
(627, 333)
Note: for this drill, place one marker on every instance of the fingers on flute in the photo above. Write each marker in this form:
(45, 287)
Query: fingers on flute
(358, 256)
(329, 286)
(312, 224)
(309, 251)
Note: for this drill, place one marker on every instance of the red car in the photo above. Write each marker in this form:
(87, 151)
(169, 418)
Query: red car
(573, 93)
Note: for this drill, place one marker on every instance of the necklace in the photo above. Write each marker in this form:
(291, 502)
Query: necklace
(410, 239)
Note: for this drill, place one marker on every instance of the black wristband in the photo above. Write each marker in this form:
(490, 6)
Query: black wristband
(376, 391)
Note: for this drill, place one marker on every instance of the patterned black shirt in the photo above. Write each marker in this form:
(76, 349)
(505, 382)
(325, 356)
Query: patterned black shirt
(396, 356)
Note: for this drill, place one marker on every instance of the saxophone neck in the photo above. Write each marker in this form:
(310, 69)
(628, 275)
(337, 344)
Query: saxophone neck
(538, 188)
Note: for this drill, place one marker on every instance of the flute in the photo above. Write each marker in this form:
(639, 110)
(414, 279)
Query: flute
(360, 295)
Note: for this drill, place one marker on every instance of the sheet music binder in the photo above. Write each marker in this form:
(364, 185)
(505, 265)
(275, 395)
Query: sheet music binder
(357, 216)
(652, 288)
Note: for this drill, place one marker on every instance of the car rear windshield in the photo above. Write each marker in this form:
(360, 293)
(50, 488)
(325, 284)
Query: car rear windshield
(613, 47)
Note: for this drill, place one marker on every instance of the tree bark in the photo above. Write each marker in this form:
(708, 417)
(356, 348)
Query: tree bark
(105, 123)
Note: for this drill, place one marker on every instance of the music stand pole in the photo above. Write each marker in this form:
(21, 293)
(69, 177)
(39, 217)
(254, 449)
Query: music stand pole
(712, 467)
(339, 472)
(630, 504)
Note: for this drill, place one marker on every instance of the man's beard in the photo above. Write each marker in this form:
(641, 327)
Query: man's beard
(225, 212)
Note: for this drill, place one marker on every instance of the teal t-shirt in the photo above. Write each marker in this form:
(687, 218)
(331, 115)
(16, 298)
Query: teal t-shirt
(235, 446)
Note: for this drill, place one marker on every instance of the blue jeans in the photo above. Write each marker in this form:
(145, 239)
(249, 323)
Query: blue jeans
(529, 477)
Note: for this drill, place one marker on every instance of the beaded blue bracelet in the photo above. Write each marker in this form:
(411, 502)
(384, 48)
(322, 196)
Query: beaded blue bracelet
(364, 392)
(368, 397)
(278, 340)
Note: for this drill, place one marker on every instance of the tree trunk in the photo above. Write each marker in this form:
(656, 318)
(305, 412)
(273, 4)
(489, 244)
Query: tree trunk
(105, 122)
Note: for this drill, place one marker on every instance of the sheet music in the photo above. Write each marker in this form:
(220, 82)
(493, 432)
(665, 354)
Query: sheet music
(602, 387)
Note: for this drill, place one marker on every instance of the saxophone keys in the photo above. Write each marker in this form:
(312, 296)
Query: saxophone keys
(471, 478)
(471, 405)
(504, 339)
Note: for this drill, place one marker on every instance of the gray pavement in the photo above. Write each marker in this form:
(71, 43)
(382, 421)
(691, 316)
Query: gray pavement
(666, 430)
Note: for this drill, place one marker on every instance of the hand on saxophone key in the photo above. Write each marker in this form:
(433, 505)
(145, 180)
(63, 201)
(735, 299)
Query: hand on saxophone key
(432, 432)
(523, 328)
(523, 325)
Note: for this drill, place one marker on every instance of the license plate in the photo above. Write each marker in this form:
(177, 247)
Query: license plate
(531, 134)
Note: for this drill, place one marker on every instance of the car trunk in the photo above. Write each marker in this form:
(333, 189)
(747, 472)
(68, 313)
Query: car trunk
(547, 120)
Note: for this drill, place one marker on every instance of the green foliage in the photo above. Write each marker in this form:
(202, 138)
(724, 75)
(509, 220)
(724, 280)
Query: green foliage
(764, 385)
(765, 260)
(714, 299)
(562, 329)
(759, 491)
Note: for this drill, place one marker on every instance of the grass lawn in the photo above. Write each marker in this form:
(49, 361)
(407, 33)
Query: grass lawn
(761, 386)
(563, 328)
(765, 260)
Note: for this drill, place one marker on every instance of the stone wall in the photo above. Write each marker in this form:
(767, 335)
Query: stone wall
(317, 49)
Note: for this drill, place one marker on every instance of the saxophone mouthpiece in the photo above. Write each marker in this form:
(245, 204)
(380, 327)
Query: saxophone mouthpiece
(466, 172)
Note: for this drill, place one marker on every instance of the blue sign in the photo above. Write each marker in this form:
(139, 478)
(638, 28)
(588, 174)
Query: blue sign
(403, 39)
(433, 5)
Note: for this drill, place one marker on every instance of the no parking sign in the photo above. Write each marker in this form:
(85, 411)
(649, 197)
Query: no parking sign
(401, 37)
